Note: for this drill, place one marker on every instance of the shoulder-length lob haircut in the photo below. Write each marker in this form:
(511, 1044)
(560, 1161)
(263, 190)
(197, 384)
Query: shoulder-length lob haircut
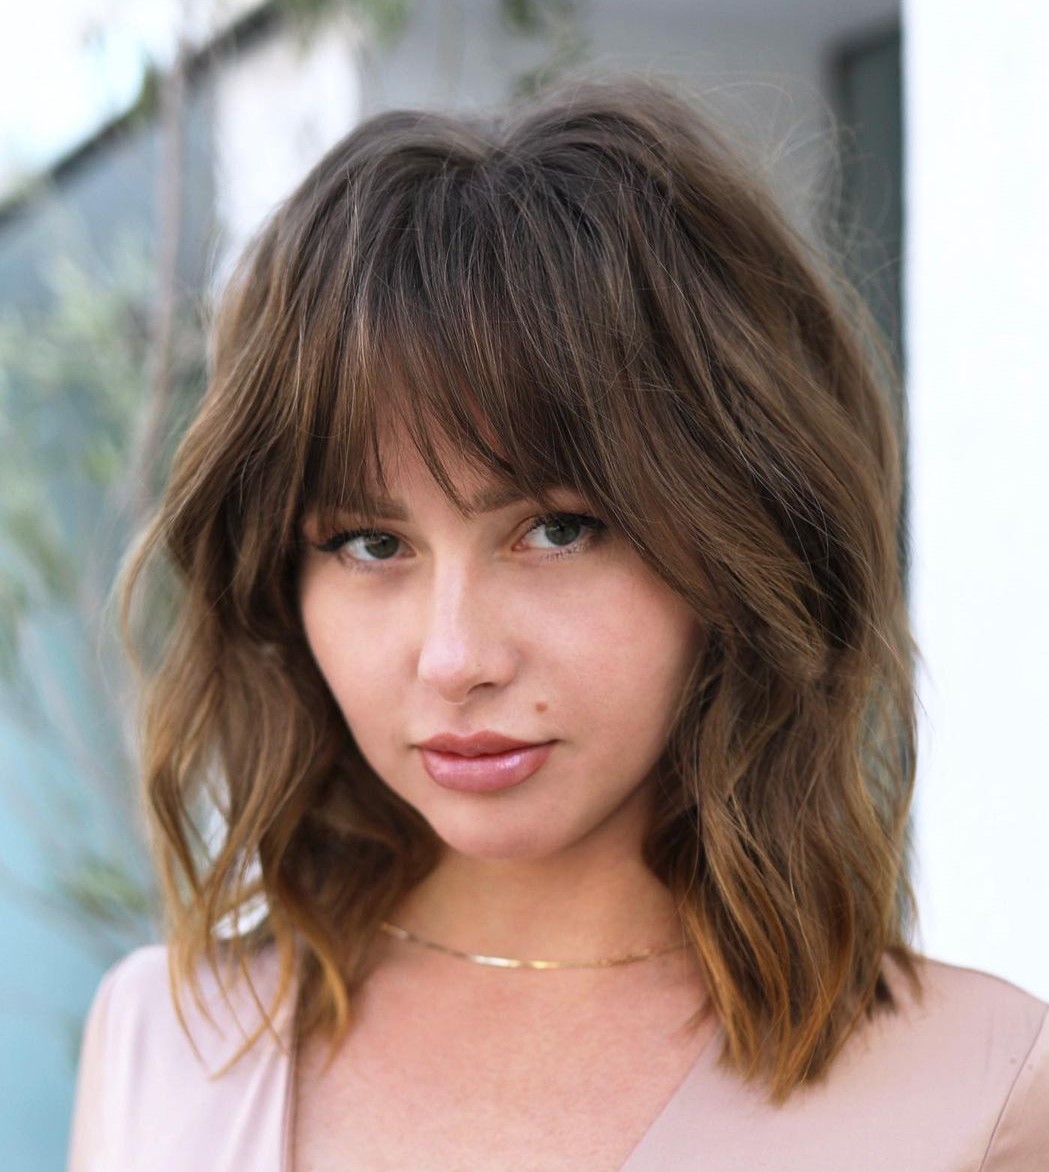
(595, 285)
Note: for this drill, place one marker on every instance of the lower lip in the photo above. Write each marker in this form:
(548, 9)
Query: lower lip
(488, 773)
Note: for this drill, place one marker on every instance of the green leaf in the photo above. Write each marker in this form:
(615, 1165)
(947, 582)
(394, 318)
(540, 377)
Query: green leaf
(105, 890)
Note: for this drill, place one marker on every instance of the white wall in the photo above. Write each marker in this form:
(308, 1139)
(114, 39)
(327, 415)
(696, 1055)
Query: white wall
(279, 106)
(976, 90)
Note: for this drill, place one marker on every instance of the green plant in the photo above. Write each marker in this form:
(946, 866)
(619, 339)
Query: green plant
(71, 391)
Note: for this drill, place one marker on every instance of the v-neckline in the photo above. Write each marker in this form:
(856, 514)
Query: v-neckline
(698, 1068)
(698, 1071)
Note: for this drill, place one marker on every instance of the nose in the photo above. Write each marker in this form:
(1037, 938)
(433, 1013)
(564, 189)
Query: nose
(465, 644)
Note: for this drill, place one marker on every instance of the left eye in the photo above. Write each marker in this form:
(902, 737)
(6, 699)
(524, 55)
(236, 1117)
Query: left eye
(567, 528)
(383, 545)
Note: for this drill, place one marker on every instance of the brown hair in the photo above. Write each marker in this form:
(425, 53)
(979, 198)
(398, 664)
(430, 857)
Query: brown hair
(595, 280)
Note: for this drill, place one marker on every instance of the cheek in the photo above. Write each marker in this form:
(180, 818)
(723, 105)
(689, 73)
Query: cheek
(635, 643)
(346, 653)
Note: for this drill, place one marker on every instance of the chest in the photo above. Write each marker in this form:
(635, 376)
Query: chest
(486, 1078)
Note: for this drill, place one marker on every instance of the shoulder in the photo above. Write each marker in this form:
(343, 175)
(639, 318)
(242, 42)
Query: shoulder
(975, 1047)
(962, 1003)
(956, 1077)
(967, 990)
(211, 1022)
(153, 1068)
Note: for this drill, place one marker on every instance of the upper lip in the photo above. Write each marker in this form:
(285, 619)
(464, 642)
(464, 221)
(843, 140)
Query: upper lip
(476, 744)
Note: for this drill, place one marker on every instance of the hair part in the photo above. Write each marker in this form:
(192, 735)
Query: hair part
(588, 291)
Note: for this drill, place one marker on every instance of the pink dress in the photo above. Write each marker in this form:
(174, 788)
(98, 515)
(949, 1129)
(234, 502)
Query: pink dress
(959, 1083)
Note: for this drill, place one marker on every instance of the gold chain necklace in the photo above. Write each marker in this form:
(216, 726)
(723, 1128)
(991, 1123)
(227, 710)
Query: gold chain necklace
(510, 962)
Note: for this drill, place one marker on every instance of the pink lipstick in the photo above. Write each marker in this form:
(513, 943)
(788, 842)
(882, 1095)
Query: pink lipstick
(483, 763)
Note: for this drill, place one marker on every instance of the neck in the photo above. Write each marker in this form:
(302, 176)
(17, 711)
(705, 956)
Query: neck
(576, 907)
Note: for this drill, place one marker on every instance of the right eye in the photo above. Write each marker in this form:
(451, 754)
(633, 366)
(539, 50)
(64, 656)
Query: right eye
(350, 545)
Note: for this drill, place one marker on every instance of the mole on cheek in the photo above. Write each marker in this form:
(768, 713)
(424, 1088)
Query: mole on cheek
(540, 707)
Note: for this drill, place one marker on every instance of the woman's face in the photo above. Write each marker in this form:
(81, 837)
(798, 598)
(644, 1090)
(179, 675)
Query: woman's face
(552, 632)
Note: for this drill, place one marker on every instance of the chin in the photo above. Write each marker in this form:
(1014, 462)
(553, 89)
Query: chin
(493, 842)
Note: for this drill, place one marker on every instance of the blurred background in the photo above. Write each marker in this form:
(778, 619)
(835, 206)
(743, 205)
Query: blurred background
(141, 143)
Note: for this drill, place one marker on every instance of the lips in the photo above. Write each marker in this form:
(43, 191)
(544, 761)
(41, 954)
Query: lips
(475, 744)
(483, 763)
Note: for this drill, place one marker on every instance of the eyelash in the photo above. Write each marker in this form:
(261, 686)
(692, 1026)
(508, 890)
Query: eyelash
(592, 530)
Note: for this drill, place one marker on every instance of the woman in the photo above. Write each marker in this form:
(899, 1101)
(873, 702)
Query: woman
(542, 660)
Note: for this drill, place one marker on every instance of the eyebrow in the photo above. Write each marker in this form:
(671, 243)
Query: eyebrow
(490, 500)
